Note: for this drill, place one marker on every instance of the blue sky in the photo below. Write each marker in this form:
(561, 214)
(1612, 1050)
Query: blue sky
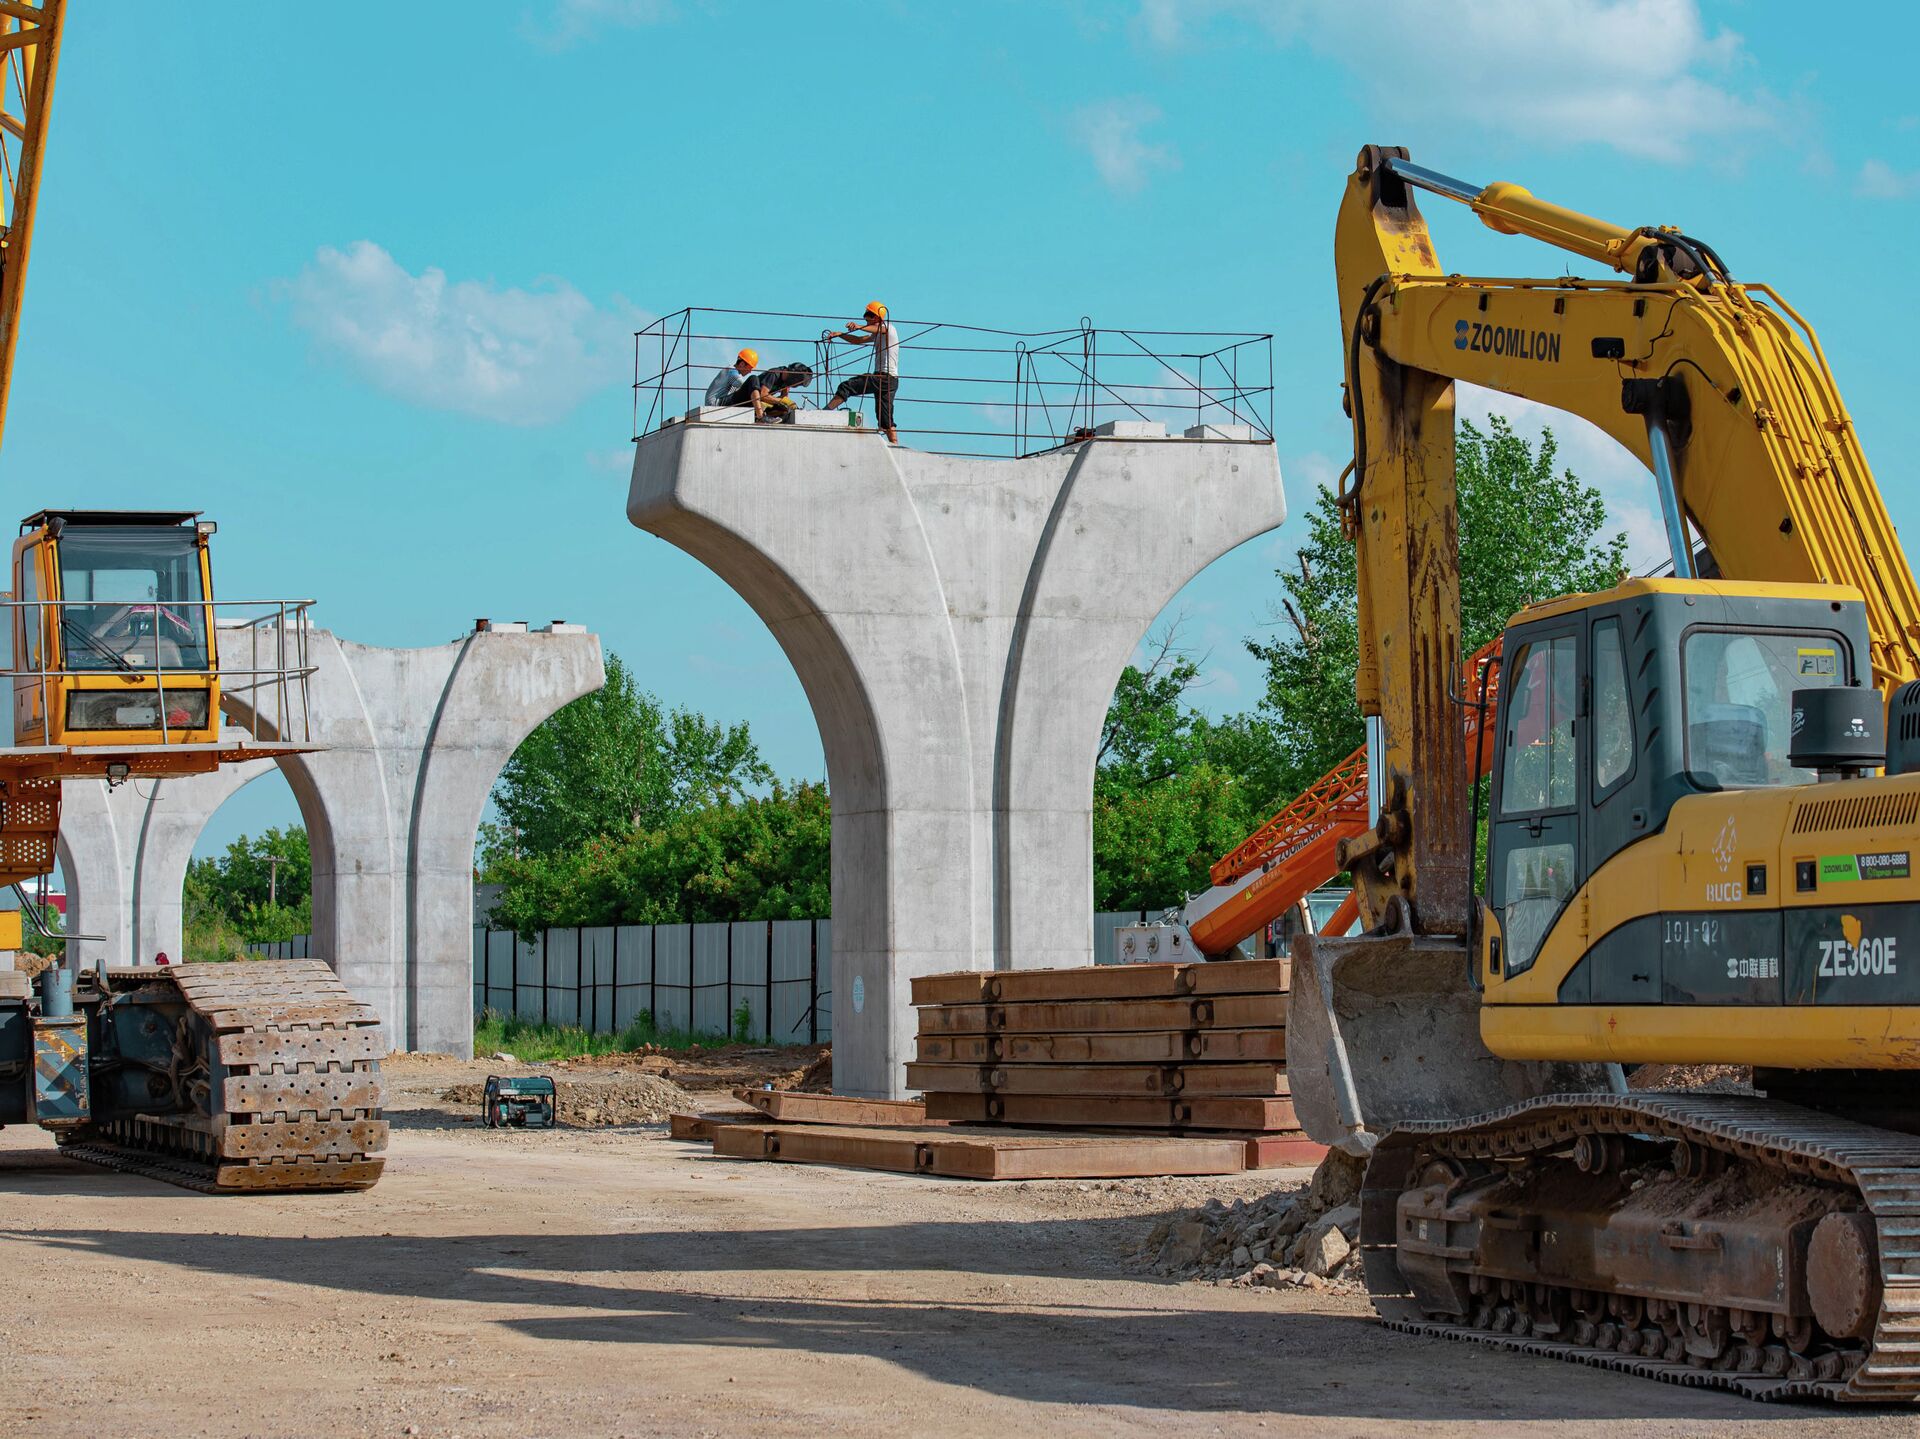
(362, 291)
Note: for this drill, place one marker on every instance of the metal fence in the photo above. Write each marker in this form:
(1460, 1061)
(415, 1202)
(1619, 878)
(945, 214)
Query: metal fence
(970, 390)
(692, 978)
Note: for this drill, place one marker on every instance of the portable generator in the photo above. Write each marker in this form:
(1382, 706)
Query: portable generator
(524, 1103)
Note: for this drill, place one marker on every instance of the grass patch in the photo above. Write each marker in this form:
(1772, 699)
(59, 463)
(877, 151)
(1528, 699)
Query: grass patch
(496, 1033)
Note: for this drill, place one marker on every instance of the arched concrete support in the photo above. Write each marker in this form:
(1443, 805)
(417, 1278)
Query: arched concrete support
(959, 626)
(412, 741)
(94, 862)
(165, 825)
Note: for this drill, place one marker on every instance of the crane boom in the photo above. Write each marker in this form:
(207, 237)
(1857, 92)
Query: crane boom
(30, 53)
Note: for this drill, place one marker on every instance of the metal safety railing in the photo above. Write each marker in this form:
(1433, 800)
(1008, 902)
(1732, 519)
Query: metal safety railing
(969, 389)
(257, 649)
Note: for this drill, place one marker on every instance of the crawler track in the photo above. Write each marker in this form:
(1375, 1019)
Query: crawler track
(281, 1066)
(1879, 1167)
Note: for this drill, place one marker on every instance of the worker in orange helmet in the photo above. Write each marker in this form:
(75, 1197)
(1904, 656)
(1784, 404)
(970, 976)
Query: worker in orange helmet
(733, 384)
(883, 381)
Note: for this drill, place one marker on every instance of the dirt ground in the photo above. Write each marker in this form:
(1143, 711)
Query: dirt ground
(608, 1281)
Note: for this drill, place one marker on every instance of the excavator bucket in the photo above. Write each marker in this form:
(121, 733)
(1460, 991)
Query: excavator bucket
(1385, 1029)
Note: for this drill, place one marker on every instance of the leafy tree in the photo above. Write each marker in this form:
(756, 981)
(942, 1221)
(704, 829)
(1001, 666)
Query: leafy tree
(762, 857)
(260, 889)
(1528, 531)
(1165, 806)
(612, 762)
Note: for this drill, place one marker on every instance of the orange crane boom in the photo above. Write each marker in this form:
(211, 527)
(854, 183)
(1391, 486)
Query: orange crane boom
(1298, 849)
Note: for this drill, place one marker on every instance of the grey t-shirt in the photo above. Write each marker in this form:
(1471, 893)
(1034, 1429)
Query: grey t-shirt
(726, 384)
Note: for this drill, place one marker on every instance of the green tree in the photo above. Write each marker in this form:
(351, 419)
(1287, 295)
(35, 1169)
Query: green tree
(260, 889)
(612, 762)
(1528, 531)
(761, 857)
(1167, 801)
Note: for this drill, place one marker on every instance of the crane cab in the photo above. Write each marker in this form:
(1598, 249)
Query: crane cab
(111, 632)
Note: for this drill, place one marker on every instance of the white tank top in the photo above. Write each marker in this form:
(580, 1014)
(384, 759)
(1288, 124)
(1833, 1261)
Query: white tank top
(887, 342)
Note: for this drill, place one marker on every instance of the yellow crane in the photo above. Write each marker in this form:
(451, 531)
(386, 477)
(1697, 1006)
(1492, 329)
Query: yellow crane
(1700, 840)
(215, 1076)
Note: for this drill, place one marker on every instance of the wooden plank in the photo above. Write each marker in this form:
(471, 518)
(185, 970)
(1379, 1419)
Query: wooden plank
(1117, 1157)
(1231, 1011)
(1164, 1081)
(1103, 981)
(1007, 1154)
(1150, 1047)
(897, 1150)
(699, 1127)
(1106, 1111)
(790, 1107)
(1283, 1151)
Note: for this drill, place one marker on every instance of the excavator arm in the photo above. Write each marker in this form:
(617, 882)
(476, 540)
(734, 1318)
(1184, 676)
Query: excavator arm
(1717, 386)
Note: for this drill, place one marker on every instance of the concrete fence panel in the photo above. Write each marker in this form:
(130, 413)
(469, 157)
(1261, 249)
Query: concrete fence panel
(596, 979)
(750, 980)
(823, 986)
(563, 976)
(790, 980)
(710, 984)
(673, 976)
(632, 973)
(530, 979)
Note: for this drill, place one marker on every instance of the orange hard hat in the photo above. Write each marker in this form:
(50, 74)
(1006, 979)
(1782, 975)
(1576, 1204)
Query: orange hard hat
(750, 357)
(876, 308)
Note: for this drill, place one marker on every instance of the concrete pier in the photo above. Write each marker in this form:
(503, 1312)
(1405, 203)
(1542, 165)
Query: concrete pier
(959, 626)
(413, 740)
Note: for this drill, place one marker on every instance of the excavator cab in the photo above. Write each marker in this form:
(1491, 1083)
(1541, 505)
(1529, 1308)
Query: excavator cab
(112, 631)
(1664, 709)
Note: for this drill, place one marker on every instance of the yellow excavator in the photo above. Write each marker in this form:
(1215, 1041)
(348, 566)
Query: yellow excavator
(1705, 804)
(220, 1077)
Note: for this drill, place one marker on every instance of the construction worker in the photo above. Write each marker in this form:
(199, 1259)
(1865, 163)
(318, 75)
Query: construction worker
(883, 381)
(729, 386)
(767, 393)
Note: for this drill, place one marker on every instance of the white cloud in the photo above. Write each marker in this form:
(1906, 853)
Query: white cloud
(1645, 77)
(1110, 131)
(521, 357)
(570, 21)
(613, 462)
(1880, 181)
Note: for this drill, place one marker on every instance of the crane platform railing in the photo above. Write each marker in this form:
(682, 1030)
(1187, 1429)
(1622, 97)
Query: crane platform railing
(972, 390)
(258, 650)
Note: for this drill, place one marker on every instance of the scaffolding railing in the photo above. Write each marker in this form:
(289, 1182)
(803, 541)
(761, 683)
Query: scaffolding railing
(973, 390)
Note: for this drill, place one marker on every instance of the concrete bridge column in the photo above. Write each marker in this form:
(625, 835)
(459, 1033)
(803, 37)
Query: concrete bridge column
(959, 626)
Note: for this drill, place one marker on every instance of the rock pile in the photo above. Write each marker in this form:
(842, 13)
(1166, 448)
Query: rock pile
(1299, 1240)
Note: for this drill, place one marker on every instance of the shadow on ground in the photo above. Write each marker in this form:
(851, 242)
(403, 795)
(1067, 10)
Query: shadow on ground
(1125, 1350)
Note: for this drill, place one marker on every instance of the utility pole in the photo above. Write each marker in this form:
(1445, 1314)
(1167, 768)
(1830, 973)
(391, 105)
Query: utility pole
(274, 862)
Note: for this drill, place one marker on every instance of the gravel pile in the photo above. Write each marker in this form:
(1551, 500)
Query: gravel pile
(1289, 1240)
(600, 1102)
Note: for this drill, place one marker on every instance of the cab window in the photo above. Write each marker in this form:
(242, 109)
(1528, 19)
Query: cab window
(1739, 696)
(31, 618)
(1612, 709)
(1537, 768)
(131, 598)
